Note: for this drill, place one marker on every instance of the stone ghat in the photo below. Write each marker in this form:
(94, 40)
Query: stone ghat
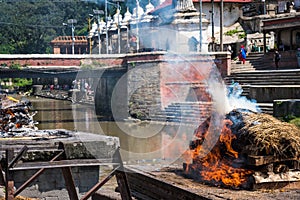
(170, 183)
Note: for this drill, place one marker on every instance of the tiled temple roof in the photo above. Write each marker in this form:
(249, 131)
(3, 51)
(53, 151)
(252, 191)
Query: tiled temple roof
(68, 39)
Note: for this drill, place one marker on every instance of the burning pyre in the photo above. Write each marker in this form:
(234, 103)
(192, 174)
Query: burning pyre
(15, 117)
(249, 143)
(16, 121)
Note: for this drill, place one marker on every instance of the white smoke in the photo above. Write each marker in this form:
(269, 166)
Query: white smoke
(236, 100)
(229, 98)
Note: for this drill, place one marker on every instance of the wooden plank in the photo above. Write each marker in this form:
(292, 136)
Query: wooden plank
(18, 157)
(262, 160)
(122, 178)
(63, 163)
(98, 185)
(69, 182)
(9, 189)
(123, 185)
(2, 178)
(37, 174)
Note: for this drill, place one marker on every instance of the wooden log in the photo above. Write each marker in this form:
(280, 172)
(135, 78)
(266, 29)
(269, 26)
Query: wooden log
(290, 176)
(262, 160)
(37, 174)
(9, 192)
(69, 182)
(99, 185)
(63, 163)
(121, 177)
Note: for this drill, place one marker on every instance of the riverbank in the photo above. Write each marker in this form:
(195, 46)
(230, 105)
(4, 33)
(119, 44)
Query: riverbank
(75, 96)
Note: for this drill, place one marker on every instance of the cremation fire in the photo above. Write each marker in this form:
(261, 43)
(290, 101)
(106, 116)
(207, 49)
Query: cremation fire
(16, 121)
(249, 143)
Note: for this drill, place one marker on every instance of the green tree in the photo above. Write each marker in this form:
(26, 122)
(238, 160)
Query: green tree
(28, 26)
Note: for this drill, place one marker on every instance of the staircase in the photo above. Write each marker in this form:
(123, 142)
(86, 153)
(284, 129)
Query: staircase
(264, 78)
(254, 61)
(258, 70)
(184, 112)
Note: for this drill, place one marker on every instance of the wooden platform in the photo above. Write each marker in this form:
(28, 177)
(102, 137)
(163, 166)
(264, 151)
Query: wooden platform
(170, 183)
(66, 150)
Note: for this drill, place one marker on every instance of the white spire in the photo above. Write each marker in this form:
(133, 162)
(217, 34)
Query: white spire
(149, 7)
(93, 30)
(161, 1)
(117, 17)
(138, 11)
(127, 16)
(102, 25)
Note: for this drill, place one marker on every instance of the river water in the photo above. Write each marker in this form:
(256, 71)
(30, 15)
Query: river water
(140, 142)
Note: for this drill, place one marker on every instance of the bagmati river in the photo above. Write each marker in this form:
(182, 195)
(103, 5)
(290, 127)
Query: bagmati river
(141, 142)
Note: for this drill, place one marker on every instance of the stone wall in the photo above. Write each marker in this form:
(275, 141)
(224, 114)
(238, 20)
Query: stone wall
(266, 94)
(144, 95)
(286, 108)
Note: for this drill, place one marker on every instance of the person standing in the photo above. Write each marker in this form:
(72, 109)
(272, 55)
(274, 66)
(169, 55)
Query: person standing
(243, 54)
(277, 58)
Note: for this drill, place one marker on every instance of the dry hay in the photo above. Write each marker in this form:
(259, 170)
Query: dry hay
(264, 135)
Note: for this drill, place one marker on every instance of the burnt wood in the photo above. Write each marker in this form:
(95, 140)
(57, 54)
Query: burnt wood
(263, 160)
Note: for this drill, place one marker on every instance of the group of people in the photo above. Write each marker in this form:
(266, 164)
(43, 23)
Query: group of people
(243, 55)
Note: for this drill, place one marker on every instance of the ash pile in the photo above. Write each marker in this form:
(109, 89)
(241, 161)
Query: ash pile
(253, 151)
(16, 120)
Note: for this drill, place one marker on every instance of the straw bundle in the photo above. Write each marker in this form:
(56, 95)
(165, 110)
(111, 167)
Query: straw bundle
(264, 135)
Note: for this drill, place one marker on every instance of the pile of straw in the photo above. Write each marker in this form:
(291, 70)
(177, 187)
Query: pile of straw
(264, 135)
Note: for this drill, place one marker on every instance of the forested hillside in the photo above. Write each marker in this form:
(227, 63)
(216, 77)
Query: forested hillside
(28, 26)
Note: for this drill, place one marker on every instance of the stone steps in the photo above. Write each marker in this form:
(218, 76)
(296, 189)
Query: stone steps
(266, 108)
(187, 112)
(267, 77)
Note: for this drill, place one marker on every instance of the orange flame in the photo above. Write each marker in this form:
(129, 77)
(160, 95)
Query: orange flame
(215, 167)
